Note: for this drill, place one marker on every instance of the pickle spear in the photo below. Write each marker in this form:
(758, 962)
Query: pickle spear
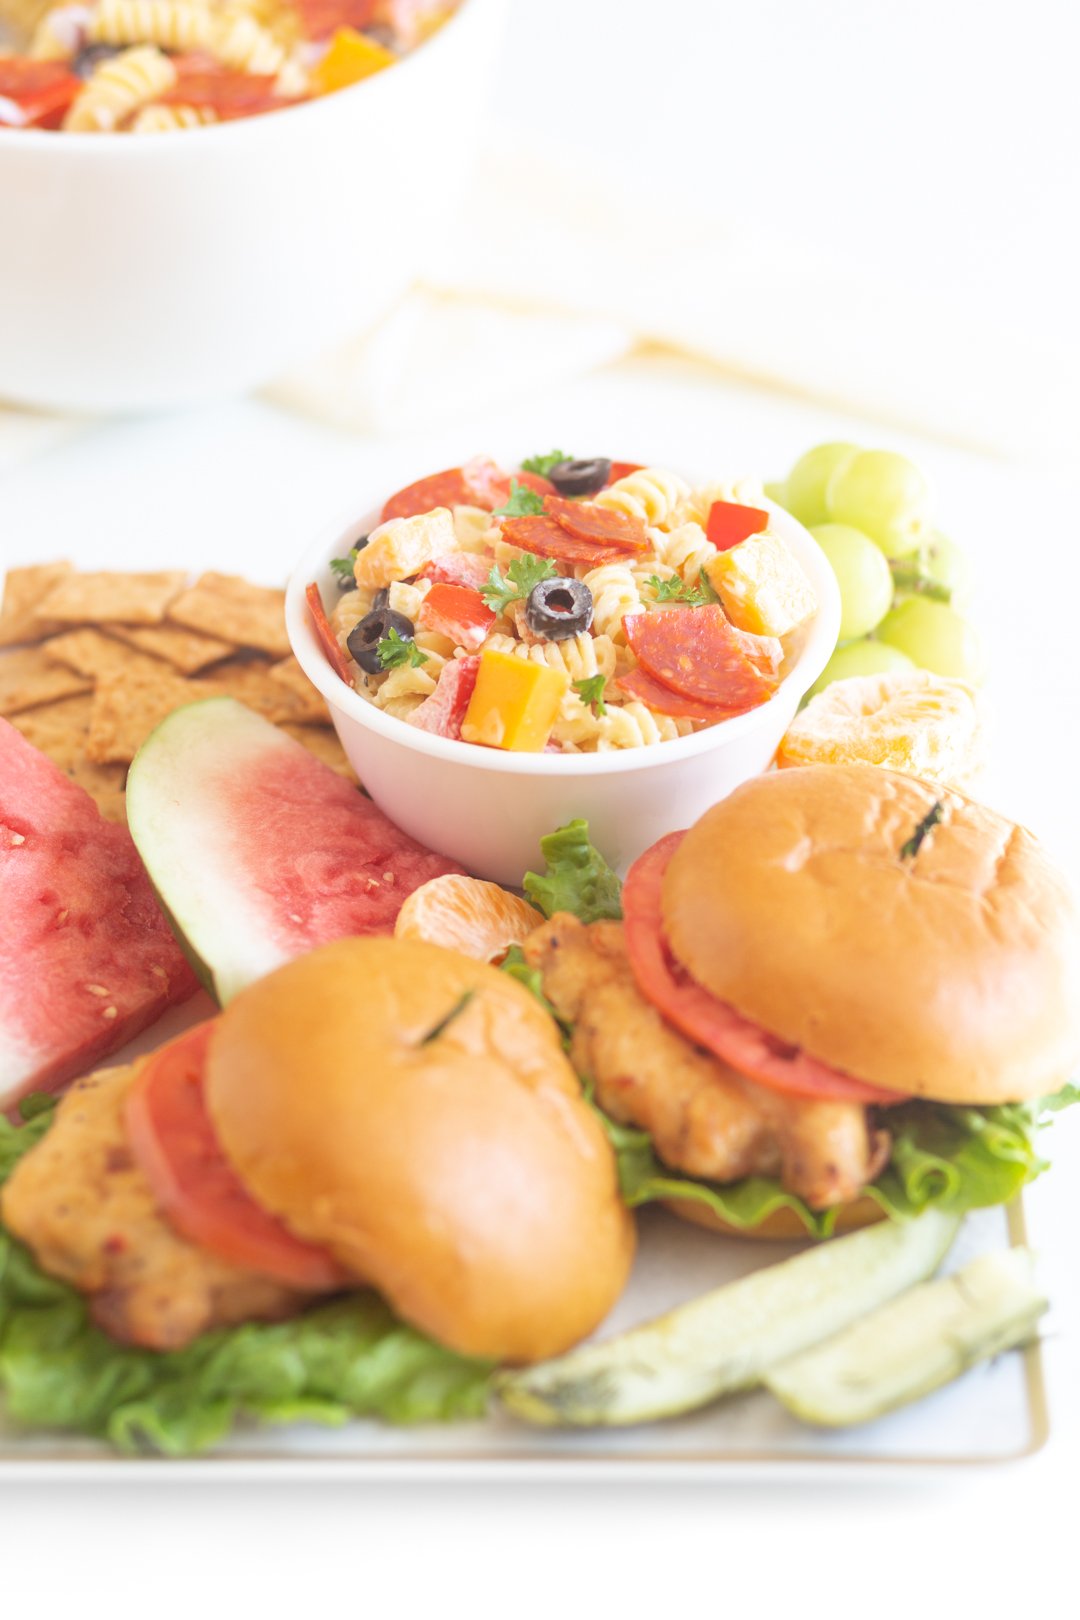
(914, 1344)
(729, 1339)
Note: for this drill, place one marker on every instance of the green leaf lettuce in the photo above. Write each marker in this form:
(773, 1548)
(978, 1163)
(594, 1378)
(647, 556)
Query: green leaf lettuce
(578, 879)
(943, 1157)
(346, 1359)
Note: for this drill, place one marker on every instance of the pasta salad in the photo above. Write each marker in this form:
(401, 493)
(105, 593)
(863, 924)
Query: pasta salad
(152, 66)
(572, 606)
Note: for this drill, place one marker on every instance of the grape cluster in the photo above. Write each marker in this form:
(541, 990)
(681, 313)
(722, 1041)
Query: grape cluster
(901, 580)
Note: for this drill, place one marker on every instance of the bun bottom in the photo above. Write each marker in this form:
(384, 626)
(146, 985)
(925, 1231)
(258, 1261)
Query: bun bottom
(779, 1227)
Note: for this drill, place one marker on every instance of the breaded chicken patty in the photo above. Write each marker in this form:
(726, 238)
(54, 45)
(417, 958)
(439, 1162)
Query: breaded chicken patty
(704, 1117)
(85, 1209)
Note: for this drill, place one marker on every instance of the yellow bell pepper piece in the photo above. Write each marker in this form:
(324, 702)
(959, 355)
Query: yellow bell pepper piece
(762, 586)
(514, 703)
(351, 57)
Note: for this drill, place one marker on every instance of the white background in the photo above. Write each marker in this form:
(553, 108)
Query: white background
(936, 141)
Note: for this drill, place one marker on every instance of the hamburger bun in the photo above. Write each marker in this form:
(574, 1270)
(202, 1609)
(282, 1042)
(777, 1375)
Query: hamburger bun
(953, 974)
(781, 1226)
(460, 1172)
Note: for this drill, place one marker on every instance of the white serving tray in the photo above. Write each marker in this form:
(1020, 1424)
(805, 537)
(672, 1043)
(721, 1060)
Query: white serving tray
(996, 1413)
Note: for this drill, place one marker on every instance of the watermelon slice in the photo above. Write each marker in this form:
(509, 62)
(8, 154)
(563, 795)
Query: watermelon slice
(257, 849)
(86, 957)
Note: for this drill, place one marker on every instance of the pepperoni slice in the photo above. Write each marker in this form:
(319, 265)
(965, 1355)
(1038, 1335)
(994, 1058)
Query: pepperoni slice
(447, 488)
(443, 712)
(231, 95)
(327, 639)
(597, 525)
(641, 685)
(197, 1189)
(457, 611)
(321, 18)
(694, 651)
(712, 1023)
(544, 537)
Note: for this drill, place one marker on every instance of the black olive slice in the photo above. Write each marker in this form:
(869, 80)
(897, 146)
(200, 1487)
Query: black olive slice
(559, 608)
(363, 639)
(581, 477)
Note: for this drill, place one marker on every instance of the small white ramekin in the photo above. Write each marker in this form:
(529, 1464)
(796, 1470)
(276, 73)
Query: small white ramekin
(142, 272)
(488, 809)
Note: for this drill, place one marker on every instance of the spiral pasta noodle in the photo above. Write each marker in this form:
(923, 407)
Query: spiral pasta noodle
(686, 549)
(740, 491)
(119, 87)
(242, 44)
(651, 495)
(581, 657)
(615, 596)
(172, 24)
(163, 120)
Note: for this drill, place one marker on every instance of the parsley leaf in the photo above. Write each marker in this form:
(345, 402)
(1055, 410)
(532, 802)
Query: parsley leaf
(678, 590)
(343, 566)
(543, 464)
(523, 502)
(911, 847)
(395, 651)
(524, 574)
(592, 692)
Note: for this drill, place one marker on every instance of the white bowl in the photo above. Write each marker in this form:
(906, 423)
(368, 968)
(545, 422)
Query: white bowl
(140, 272)
(488, 810)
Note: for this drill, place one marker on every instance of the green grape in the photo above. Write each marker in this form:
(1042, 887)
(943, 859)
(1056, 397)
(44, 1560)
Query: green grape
(865, 657)
(862, 573)
(934, 637)
(885, 496)
(807, 480)
(777, 493)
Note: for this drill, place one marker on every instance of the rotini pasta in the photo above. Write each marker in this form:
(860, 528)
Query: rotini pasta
(172, 24)
(685, 550)
(161, 120)
(231, 58)
(739, 491)
(119, 87)
(615, 595)
(537, 645)
(651, 495)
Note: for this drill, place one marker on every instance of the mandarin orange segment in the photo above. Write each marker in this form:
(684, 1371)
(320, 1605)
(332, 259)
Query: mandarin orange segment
(464, 914)
(910, 721)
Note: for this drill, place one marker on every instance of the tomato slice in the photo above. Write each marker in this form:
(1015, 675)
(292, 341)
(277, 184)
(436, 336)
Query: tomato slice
(712, 1023)
(327, 639)
(35, 94)
(457, 611)
(447, 488)
(729, 523)
(197, 1189)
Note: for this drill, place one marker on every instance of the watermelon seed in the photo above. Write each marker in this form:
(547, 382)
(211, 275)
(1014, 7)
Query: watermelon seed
(18, 838)
(109, 1012)
(97, 989)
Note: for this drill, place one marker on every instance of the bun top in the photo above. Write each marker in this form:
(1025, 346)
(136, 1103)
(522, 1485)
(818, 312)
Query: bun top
(952, 973)
(456, 1168)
